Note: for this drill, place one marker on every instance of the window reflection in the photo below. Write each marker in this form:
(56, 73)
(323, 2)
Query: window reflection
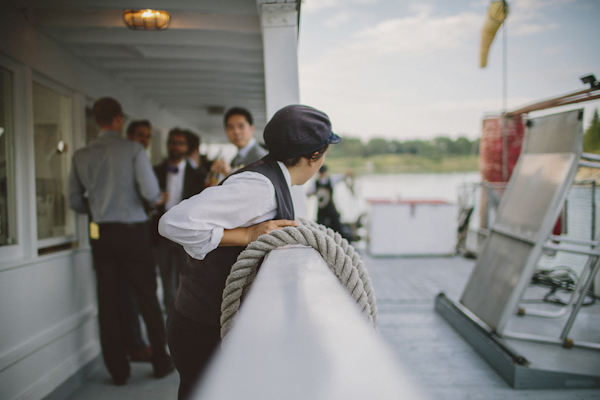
(51, 126)
(91, 129)
(7, 189)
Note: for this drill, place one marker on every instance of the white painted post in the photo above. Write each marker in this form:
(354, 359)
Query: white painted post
(280, 41)
(279, 25)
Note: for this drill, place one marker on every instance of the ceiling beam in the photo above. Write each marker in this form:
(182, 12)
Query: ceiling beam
(240, 7)
(177, 87)
(207, 93)
(201, 105)
(180, 37)
(172, 53)
(190, 76)
(167, 65)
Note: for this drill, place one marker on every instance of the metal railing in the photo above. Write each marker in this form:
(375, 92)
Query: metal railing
(300, 335)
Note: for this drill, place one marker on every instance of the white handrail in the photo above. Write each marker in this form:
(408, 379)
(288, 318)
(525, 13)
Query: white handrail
(300, 335)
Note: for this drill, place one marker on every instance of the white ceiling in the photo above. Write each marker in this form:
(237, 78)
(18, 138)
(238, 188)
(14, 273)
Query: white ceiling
(211, 55)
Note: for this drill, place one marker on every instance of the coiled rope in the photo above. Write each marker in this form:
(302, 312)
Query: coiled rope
(336, 251)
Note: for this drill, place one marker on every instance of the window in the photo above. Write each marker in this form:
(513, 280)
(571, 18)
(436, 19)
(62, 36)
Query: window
(52, 133)
(7, 184)
(91, 129)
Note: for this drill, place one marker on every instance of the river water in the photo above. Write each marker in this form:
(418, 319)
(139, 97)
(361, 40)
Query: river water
(416, 186)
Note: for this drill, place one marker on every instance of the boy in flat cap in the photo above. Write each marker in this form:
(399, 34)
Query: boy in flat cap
(216, 225)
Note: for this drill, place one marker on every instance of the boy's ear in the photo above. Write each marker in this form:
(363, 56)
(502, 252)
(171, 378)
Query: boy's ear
(312, 161)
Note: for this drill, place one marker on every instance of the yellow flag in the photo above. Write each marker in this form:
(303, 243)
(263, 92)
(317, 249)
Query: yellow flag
(496, 16)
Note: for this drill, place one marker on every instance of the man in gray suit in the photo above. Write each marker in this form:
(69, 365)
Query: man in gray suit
(239, 127)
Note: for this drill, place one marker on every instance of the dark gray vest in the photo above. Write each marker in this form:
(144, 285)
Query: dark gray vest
(201, 282)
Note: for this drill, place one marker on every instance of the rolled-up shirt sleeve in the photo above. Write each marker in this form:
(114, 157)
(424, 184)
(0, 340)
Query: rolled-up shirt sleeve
(198, 223)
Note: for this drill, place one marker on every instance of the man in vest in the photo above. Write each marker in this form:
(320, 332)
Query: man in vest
(216, 225)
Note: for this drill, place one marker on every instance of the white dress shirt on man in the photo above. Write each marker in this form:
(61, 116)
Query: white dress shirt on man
(175, 185)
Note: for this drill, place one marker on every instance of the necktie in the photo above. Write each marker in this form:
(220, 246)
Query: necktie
(172, 168)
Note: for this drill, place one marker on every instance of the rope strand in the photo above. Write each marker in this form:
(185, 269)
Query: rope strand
(338, 254)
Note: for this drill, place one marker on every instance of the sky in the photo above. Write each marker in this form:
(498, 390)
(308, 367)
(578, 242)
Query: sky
(409, 69)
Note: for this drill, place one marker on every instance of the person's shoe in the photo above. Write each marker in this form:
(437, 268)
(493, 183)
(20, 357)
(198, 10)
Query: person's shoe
(142, 355)
(164, 369)
(120, 380)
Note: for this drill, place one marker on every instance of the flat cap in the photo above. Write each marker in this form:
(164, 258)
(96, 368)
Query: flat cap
(297, 130)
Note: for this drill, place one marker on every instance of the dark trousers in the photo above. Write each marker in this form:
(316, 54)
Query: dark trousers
(132, 331)
(192, 346)
(122, 252)
(171, 259)
(329, 217)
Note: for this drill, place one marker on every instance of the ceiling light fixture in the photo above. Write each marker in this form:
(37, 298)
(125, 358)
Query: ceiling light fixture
(148, 20)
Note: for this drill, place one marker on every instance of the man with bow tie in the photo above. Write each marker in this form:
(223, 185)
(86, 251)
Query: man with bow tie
(180, 180)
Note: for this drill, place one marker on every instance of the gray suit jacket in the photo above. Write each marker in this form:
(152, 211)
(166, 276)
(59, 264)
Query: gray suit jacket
(256, 153)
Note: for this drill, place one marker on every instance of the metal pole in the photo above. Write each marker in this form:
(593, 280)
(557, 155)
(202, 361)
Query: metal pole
(504, 100)
(586, 288)
(593, 232)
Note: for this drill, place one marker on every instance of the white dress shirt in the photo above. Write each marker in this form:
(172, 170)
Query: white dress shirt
(175, 185)
(243, 200)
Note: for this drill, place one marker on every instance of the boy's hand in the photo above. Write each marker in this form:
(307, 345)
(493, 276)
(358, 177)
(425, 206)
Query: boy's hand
(267, 227)
(220, 167)
(245, 236)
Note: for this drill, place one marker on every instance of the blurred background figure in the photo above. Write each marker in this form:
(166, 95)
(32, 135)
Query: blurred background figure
(196, 160)
(109, 180)
(239, 127)
(322, 187)
(137, 131)
(180, 180)
(140, 131)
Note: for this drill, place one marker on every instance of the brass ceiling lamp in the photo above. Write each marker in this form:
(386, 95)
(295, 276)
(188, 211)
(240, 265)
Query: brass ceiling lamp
(148, 20)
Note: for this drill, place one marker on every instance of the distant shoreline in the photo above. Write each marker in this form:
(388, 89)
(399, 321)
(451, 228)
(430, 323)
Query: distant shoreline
(402, 163)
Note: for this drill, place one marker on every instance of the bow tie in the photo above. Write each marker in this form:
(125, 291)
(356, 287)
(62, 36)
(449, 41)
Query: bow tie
(172, 168)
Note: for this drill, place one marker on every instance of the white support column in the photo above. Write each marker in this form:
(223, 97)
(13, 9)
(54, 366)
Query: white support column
(279, 24)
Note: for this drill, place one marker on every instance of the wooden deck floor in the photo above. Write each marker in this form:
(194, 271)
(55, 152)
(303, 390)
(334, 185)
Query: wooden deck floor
(439, 360)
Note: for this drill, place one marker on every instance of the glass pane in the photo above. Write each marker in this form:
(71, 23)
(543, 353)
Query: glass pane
(7, 176)
(51, 128)
(91, 129)
(531, 193)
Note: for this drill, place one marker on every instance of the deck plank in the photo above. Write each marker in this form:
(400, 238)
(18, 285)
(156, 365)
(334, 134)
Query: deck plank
(440, 361)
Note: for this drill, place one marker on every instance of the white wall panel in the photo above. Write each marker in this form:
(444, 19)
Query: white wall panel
(48, 328)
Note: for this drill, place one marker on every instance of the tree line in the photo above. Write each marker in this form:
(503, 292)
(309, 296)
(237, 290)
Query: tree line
(435, 148)
(591, 137)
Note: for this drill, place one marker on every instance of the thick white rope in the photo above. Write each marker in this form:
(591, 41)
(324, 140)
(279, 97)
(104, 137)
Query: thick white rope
(336, 251)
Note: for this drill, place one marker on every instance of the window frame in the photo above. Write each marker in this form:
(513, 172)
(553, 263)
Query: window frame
(45, 246)
(19, 168)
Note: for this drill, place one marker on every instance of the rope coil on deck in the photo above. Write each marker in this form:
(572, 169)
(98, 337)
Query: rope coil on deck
(338, 254)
